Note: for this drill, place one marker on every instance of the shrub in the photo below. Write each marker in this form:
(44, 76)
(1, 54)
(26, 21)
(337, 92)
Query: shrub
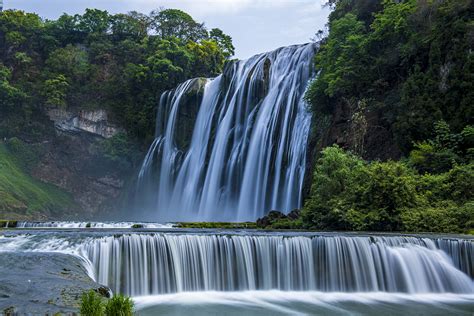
(445, 218)
(91, 304)
(119, 305)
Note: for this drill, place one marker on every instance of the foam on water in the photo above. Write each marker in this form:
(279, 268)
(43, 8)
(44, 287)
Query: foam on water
(274, 303)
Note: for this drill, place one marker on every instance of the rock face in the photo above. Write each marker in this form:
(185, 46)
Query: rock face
(43, 283)
(95, 122)
(73, 163)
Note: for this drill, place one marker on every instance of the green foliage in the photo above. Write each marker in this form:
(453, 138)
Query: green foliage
(20, 192)
(91, 304)
(120, 149)
(445, 218)
(10, 96)
(26, 155)
(224, 42)
(120, 62)
(444, 151)
(351, 194)
(331, 190)
(342, 58)
(411, 59)
(176, 23)
(55, 90)
(119, 305)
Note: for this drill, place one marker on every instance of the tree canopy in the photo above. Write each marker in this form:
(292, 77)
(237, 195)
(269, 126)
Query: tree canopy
(122, 62)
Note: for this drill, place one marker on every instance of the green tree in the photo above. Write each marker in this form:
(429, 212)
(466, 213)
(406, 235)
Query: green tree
(169, 23)
(94, 21)
(224, 42)
(55, 91)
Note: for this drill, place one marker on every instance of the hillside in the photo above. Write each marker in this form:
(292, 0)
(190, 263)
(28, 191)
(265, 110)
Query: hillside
(23, 197)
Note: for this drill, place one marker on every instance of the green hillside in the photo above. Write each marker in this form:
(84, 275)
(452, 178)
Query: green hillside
(21, 196)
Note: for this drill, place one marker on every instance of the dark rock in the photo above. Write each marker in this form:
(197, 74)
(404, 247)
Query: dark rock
(271, 217)
(294, 215)
(36, 283)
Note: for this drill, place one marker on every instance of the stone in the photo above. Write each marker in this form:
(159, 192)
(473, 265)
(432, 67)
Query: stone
(43, 283)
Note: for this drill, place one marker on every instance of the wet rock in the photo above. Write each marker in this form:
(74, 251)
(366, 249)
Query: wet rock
(43, 283)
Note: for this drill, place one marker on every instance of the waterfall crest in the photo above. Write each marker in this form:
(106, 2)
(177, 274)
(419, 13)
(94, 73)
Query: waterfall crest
(244, 154)
(168, 263)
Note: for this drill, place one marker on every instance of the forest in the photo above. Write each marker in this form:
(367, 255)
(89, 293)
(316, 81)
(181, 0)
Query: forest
(122, 62)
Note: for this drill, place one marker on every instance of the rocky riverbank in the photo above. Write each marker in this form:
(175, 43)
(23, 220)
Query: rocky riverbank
(43, 283)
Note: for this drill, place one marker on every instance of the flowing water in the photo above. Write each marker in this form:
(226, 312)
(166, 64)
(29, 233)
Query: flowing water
(246, 153)
(77, 224)
(176, 272)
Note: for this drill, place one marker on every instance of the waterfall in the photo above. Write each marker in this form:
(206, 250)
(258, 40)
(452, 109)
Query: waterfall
(233, 147)
(140, 264)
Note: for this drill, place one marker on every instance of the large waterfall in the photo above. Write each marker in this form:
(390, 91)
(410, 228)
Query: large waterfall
(167, 263)
(233, 147)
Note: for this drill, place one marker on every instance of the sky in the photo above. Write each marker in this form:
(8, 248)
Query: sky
(256, 26)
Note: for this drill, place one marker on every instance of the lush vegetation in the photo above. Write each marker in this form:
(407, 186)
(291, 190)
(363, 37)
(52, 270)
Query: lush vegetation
(399, 66)
(121, 62)
(405, 67)
(20, 194)
(349, 193)
(92, 304)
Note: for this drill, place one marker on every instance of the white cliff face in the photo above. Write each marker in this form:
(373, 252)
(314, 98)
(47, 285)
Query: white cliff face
(94, 122)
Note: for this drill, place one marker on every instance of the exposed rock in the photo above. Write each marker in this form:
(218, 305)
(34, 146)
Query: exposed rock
(295, 214)
(43, 283)
(94, 122)
(72, 163)
(187, 113)
(271, 217)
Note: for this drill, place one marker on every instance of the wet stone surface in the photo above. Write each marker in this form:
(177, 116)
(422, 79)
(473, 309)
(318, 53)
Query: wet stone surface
(43, 283)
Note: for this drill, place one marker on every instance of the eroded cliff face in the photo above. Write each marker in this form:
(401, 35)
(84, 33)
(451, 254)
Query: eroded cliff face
(72, 164)
(353, 127)
(69, 153)
(95, 122)
(73, 161)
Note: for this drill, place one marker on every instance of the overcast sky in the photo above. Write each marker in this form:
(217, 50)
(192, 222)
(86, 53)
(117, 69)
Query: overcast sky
(255, 25)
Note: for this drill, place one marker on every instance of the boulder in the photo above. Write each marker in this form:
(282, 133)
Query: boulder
(43, 283)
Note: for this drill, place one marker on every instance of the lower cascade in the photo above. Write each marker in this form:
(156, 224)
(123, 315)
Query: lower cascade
(167, 263)
(233, 147)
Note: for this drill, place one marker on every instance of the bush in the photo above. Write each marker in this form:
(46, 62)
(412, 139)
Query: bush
(331, 190)
(91, 304)
(350, 194)
(446, 218)
(119, 305)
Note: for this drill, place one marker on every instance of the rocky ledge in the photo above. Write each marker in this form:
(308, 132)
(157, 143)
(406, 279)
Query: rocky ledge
(43, 283)
(95, 122)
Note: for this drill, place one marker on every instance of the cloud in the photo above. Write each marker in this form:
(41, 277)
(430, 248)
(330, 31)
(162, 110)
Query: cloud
(208, 7)
(255, 25)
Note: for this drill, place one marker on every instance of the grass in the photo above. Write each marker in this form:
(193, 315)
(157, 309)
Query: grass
(92, 304)
(22, 195)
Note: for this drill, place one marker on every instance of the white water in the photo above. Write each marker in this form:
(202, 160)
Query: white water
(73, 224)
(167, 263)
(276, 303)
(247, 153)
(328, 271)
(140, 264)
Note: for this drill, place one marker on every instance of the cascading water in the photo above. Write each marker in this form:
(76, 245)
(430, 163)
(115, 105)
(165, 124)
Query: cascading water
(269, 273)
(245, 154)
(167, 263)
